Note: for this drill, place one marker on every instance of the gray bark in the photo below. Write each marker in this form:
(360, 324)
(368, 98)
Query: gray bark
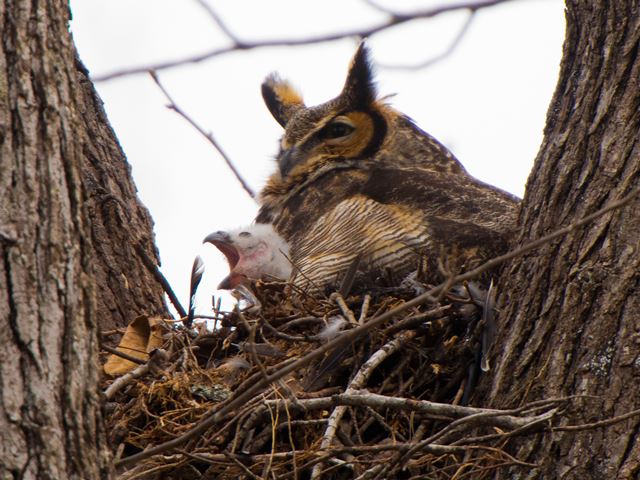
(571, 310)
(69, 221)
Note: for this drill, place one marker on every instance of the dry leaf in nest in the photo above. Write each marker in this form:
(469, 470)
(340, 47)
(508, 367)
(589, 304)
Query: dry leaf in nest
(142, 336)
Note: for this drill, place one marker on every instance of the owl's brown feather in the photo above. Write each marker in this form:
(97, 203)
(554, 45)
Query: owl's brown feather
(356, 177)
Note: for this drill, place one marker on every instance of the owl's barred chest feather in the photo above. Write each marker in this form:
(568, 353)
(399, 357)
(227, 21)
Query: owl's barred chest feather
(382, 236)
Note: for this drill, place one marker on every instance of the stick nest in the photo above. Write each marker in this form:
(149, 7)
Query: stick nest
(362, 411)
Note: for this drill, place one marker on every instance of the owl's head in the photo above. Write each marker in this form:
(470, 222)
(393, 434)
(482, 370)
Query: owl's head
(353, 126)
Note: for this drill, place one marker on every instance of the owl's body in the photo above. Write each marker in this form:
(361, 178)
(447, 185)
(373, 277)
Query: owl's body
(357, 177)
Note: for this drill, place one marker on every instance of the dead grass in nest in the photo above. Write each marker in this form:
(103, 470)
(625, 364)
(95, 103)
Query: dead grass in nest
(387, 405)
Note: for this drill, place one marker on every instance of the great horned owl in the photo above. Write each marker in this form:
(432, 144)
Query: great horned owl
(356, 177)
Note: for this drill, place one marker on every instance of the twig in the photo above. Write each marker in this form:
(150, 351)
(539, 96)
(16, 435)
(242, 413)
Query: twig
(393, 433)
(346, 311)
(294, 461)
(476, 416)
(241, 465)
(357, 383)
(274, 422)
(418, 319)
(390, 22)
(200, 317)
(115, 331)
(155, 359)
(120, 354)
(296, 322)
(601, 423)
(468, 422)
(364, 310)
(475, 419)
(173, 106)
(325, 454)
(507, 419)
(442, 55)
(218, 21)
(155, 271)
(380, 8)
(251, 342)
(278, 334)
(219, 412)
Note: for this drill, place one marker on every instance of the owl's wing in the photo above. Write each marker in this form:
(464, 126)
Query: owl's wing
(457, 199)
(465, 219)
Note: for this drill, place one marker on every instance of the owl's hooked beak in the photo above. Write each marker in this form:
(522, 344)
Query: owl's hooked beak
(287, 160)
(223, 242)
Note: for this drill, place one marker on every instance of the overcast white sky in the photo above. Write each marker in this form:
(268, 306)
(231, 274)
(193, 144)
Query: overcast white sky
(487, 101)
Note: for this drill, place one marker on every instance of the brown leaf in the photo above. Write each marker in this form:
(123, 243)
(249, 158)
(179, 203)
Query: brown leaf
(142, 336)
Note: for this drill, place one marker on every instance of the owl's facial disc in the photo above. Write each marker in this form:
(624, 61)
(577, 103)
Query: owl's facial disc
(347, 135)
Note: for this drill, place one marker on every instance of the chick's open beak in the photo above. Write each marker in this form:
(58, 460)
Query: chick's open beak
(224, 243)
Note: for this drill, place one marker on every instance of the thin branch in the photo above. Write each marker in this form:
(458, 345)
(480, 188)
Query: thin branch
(216, 458)
(470, 421)
(392, 21)
(344, 308)
(173, 106)
(219, 23)
(378, 7)
(220, 411)
(166, 286)
(601, 423)
(156, 358)
(120, 354)
(364, 310)
(124, 380)
(358, 382)
(442, 55)
(241, 465)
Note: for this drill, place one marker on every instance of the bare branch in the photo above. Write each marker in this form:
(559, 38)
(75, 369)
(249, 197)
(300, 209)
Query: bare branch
(378, 7)
(218, 21)
(392, 21)
(601, 423)
(358, 382)
(120, 354)
(173, 106)
(166, 286)
(346, 311)
(156, 358)
(241, 465)
(441, 56)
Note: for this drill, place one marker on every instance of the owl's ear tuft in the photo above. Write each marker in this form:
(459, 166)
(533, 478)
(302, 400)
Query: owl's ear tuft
(281, 98)
(360, 89)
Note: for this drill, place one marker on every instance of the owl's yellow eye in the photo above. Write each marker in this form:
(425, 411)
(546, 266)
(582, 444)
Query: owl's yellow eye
(337, 129)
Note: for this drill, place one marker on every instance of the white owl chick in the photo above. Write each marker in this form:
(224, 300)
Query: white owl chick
(254, 252)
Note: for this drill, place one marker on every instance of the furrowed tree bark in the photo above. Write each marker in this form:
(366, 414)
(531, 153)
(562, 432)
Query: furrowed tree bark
(69, 223)
(571, 310)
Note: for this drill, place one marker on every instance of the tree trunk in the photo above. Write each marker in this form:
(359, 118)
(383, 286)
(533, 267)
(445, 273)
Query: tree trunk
(571, 310)
(69, 223)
